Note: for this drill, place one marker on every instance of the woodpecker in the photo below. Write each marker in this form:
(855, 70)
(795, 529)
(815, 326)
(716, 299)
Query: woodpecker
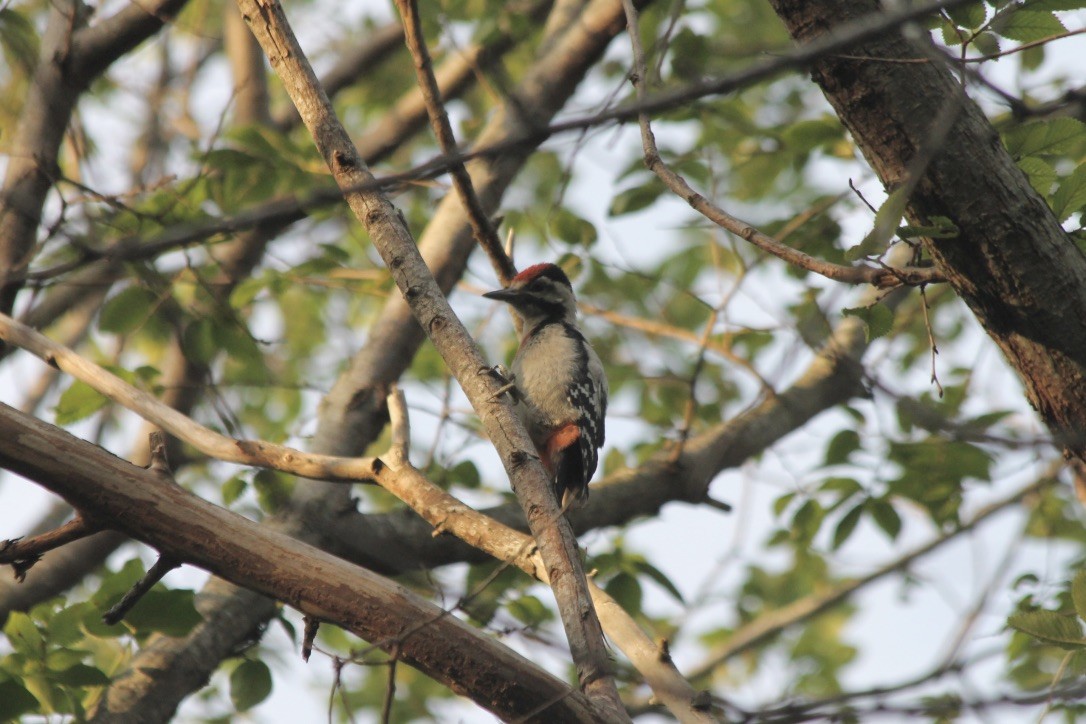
(561, 389)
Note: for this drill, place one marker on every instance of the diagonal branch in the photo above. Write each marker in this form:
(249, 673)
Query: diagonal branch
(352, 414)
(858, 274)
(185, 528)
(770, 624)
(485, 234)
(22, 553)
(447, 514)
(245, 452)
(431, 309)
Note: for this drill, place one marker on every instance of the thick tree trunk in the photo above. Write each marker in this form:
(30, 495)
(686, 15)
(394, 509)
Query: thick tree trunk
(1011, 261)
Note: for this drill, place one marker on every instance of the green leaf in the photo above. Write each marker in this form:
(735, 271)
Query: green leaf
(78, 402)
(233, 488)
(198, 341)
(167, 611)
(635, 199)
(807, 519)
(886, 223)
(878, 319)
(625, 589)
(846, 525)
(885, 516)
(465, 473)
(272, 489)
(570, 228)
(127, 310)
(1040, 173)
(250, 684)
(23, 635)
(841, 447)
(1071, 194)
(1050, 627)
(845, 487)
(1048, 137)
(15, 700)
(940, 228)
(1026, 25)
(1078, 594)
(782, 502)
(807, 135)
(238, 343)
(81, 675)
(115, 585)
(18, 39)
(986, 43)
(643, 566)
(60, 658)
(66, 627)
(968, 16)
(529, 610)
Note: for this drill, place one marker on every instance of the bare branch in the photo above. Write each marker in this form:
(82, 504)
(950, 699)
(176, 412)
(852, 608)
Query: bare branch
(185, 528)
(431, 309)
(154, 574)
(23, 553)
(246, 452)
(771, 623)
(449, 515)
(485, 234)
(859, 274)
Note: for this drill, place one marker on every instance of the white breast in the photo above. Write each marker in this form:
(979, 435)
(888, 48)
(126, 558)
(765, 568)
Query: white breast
(545, 368)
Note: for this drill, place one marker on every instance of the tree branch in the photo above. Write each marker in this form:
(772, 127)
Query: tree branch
(431, 309)
(449, 515)
(246, 452)
(858, 274)
(23, 553)
(485, 234)
(353, 413)
(185, 528)
(1011, 261)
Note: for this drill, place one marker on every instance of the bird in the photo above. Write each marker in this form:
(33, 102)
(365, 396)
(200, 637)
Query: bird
(559, 384)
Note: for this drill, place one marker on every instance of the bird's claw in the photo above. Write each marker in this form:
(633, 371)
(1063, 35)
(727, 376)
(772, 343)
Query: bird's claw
(507, 379)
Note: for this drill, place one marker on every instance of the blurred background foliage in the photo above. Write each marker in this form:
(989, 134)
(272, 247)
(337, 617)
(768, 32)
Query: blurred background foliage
(694, 325)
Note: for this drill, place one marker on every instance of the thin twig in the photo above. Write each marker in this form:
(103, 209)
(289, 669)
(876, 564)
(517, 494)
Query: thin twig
(931, 340)
(22, 553)
(773, 622)
(860, 274)
(312, 623)
(154, 574)
(485, 234)
(692, 398)
(390, 686)
(246, 452)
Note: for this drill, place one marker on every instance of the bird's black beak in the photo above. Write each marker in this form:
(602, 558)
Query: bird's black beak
(503, 295)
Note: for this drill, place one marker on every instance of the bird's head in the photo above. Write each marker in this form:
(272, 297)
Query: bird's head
(539, 293)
